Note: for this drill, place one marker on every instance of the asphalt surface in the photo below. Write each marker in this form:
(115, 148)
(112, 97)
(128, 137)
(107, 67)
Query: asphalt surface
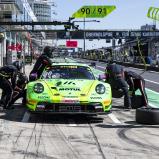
(112, 136)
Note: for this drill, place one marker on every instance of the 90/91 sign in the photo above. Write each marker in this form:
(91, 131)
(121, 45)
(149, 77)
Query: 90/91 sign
(93, 11)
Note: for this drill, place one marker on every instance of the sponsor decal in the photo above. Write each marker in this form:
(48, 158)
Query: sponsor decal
(58, 83)
(96, 97)
(69, 82)
(41, 106)
(69, 89)
(70, 96)
(43, 97)
(70, 101)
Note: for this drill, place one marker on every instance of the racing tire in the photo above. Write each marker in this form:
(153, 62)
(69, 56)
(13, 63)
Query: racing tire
(136, 101)
(117, 93)
(147, 115)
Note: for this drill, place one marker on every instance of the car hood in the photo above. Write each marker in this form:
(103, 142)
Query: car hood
(69, 88)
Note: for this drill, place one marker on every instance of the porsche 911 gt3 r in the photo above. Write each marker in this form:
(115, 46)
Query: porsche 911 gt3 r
(68, 88)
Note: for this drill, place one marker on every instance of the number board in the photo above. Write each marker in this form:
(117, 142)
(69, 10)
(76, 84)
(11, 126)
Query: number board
(93, 11)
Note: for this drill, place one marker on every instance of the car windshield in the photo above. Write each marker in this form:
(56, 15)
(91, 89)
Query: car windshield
(68, 72)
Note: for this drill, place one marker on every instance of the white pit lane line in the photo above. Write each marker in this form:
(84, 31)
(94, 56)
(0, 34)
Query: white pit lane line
(114, 118)
(152, 105)
(26, 117)
(72, 123)
(151, 81)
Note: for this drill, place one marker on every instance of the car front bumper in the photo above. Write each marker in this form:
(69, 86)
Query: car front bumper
(69, 108)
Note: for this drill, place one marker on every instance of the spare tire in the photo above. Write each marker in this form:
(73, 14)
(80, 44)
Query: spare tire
(147, 115)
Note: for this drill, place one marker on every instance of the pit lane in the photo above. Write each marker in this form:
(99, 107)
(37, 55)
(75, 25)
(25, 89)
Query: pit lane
(81, 137)
(113, 136)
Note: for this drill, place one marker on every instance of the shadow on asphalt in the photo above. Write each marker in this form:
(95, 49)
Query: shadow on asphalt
(118, 106)
(64, 119)
(17, 115)
(13, 114)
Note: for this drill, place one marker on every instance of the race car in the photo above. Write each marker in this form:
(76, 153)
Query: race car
(69, 88)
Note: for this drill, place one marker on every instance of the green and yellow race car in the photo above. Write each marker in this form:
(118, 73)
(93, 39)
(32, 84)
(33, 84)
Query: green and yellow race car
(69, 88)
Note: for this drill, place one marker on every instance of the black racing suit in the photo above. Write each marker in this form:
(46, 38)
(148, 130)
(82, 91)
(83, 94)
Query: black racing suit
(20, 91)
(135, 82)
(6, 73)
(40, 64)
(115, 77)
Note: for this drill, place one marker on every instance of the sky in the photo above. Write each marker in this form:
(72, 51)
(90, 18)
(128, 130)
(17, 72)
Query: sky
(129, 14)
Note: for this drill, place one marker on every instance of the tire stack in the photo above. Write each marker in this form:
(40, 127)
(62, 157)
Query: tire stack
(147, 115)
(144, 115)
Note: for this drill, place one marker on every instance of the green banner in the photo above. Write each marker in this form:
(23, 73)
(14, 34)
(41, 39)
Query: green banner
(93, 11)
(153, 13)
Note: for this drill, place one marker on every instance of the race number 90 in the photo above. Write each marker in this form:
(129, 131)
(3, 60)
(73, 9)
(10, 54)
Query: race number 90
(93, 11)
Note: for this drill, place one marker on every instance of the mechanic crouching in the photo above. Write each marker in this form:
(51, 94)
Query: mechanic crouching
(19, 90)
(135, 82)
(115, 77)
(8, 73)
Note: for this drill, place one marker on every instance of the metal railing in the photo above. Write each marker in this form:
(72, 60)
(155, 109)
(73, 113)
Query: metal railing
(7, 1)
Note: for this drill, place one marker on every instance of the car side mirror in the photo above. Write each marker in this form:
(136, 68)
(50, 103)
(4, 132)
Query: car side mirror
(33, 77)
(102, 77)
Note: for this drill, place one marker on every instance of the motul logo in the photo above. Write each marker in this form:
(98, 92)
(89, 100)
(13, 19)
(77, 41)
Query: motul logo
(69, 89)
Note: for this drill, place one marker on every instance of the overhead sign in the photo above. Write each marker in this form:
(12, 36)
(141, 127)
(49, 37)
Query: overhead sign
(103, 34)
(93, 11)
(71, 43)
(153, 13)
(119, 34)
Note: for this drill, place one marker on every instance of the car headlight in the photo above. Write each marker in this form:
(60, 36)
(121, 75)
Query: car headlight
(100, 89)
(38, 88)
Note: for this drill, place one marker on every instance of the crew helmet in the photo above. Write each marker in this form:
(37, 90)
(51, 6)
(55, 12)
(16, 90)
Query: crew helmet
(48, 50)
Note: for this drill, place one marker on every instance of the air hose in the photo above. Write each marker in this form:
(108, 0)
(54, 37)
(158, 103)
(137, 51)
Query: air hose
(143, 60)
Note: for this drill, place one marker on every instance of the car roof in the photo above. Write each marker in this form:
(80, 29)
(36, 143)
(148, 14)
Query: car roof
(69, 64)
